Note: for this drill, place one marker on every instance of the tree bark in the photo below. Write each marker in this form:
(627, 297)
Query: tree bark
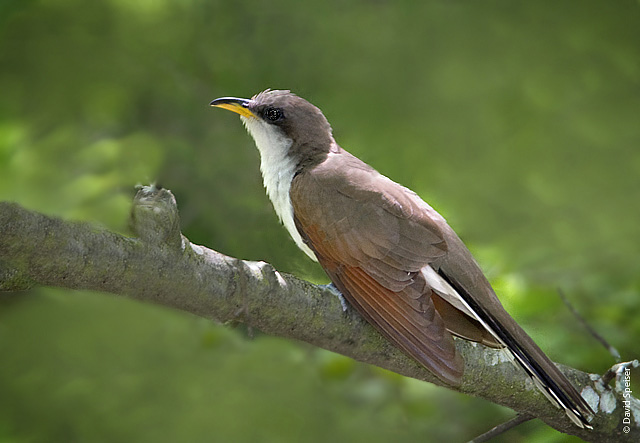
(160, 265)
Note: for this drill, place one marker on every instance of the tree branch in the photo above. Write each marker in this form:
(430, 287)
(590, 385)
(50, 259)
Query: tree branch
(162, 266)
(502, 428)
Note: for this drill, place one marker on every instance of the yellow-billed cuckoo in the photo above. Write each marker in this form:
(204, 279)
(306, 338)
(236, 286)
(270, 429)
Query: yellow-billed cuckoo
(392, 256)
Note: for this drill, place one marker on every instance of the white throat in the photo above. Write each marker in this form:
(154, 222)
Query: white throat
(278, 169)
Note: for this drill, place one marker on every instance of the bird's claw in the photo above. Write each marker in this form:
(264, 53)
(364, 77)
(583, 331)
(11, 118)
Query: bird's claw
(335, 291)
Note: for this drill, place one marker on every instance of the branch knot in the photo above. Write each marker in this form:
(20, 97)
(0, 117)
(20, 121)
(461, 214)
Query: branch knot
(154, 217)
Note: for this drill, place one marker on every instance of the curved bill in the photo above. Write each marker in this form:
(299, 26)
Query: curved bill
(237, 105)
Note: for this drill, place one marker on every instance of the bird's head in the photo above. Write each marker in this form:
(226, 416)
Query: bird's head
(282, 123)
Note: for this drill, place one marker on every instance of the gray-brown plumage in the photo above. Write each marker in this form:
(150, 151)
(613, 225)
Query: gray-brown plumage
(393, 257)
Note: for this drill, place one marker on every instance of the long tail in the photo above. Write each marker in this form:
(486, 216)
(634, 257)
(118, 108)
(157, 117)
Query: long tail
(544, 373)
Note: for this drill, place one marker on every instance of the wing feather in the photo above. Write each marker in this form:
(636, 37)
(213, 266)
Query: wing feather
(413, 325)
(374, 256)
(401, 266)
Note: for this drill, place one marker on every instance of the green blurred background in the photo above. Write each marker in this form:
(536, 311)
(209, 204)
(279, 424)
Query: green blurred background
(518, 121)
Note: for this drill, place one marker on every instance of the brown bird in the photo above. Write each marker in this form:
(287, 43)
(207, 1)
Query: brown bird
(391, 255)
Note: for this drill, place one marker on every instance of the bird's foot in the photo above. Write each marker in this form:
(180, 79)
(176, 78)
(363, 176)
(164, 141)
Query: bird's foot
(335, 291)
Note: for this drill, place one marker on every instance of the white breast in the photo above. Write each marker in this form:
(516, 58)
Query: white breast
(277, 169)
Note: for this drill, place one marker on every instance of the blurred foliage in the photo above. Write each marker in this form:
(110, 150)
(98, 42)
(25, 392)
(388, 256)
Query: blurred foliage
(516, 120)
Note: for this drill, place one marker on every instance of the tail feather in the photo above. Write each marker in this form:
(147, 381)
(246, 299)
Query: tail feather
(545, 375)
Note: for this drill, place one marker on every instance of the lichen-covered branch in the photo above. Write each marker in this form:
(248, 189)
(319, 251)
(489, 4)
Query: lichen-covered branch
(162, 266)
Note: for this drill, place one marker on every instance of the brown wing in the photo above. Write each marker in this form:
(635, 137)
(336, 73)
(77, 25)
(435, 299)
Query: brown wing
(373, 237)
(373, 245)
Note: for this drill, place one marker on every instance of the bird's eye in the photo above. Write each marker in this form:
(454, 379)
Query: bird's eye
(273, 114)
